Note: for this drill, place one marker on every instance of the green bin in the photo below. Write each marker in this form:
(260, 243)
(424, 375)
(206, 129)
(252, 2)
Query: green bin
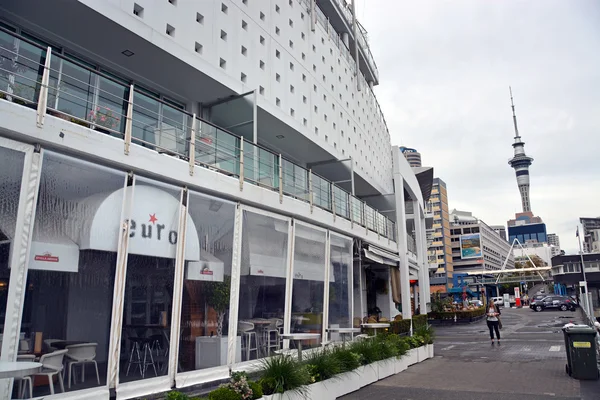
(580, 344)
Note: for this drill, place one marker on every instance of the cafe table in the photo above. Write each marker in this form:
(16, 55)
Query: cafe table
(18, 369)
(375, 326)
(298, 338)
(344, 332)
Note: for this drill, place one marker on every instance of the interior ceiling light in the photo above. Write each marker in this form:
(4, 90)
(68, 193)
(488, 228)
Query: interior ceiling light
(279, 136)
(127, 53)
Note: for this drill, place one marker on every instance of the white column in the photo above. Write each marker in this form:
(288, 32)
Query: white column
(234, 296)
(401, 240)
(421, 243)
(346, 39)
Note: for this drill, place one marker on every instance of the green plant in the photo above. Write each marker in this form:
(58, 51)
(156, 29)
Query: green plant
(368, 350)
(426, 332)
(386, 348)
(257, 392)
(174, 395)
(399, 343)
(323, 365)
(419, 321)
(224, 393)
(401, 326)
(218, 297)
(347, 359)
(239, 384)
(103, 116)
(283, 373)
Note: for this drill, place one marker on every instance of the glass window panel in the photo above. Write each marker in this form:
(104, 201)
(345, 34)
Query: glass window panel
(76, 87)
(145, 119)
(111, 110)
(150, 277)
(72, 266)
(173, 129)
(207, 285)
(308, 284)
(262, 284)
(340, 284)
(11, 172)
(21, 67)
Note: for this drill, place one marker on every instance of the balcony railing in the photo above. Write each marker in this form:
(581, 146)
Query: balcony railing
(55, 84)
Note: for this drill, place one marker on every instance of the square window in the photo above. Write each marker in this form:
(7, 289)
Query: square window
(291, 2)
(244, 25)
(292, 112)
(199, 18)
(278, 77)
(277, 54)
(261, 90)
(303, 56)
(170, 30)
(303, 78)
(303, 36)
(324, 97)
(138, 10)
(262, 40)
(245, 2)
(304, 121)
(277, 31)
(244, 51)
(198, 48)
(224, 8)
(331, 51)
(302, 16)
(304, 99)
(262, 64)
(173, 2)
(222, 63)
(291, 44)
(291, 89)
(314, 68)
(243, 77)
(323, 59)
(291, 23)
(277, 8)
(315, 88)
(322, 41)
(316, 109)
(314, 48)
(262, 16)
(277, 102)
(326, 137)
(291, 66)
(223, 35)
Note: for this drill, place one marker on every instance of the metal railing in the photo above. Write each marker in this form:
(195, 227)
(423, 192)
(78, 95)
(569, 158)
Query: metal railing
(58, 85)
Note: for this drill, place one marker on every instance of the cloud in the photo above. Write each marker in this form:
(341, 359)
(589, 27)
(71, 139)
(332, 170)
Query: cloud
(445, 68)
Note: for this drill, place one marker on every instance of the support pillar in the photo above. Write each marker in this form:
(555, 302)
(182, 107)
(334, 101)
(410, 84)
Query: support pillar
(346, 39)
(421, 244)
(401, 237)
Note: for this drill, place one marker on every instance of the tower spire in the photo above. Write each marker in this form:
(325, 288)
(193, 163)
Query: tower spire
(520, 162)
(512, 104)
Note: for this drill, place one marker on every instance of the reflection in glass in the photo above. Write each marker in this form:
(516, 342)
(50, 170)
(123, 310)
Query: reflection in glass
(68, 303)
(207, 286)
(262, 284)
(340, 284)
(308, 283)
(11, 171)
(149, 282)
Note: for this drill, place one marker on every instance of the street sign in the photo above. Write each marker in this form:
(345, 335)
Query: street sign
(517, 297)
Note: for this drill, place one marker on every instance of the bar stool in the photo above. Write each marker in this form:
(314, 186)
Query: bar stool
(247, 331)
(144, 344)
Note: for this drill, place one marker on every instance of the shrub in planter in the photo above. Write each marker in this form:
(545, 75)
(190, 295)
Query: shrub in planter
(400, 343)
(419, 321)
(257, 392)
(400, 326)
(368, 350)
(347, 359)
(224, 393)
(426, 332)
(239, 384)
(283, 373)
(322, 365)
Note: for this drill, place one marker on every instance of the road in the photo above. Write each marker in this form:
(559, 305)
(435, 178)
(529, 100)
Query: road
(529, 364)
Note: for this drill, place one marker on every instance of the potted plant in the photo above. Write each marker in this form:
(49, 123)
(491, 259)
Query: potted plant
(218, 297)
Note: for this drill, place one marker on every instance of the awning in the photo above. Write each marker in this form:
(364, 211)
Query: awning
(381, 256)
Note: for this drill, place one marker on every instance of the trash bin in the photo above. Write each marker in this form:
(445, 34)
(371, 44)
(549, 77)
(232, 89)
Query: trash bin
(580, 344)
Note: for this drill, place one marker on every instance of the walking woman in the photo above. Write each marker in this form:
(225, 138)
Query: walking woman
(493, 321)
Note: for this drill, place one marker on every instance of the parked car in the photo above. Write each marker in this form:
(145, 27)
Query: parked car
(562, 303)
(536, 298)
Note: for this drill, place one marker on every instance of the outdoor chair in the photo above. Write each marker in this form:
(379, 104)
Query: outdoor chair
(81, 354)
(247, 331)
(22, 382)
(52, 364)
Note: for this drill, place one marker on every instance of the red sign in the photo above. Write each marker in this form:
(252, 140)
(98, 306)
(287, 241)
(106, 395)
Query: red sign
(47, 257)
(206, 271)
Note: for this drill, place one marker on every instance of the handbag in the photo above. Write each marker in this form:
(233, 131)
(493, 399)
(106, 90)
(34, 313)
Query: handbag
(499, 323)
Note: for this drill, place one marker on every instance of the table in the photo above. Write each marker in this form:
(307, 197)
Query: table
(298, 338)
(18, 369)
(61, 345)
(344, 332)
(376, 326)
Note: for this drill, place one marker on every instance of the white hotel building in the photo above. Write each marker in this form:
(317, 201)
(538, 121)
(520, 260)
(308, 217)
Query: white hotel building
(184, 181)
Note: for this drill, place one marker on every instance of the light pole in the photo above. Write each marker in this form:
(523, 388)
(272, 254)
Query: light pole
(589, 310)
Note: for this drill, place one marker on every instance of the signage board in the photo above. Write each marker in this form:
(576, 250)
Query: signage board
(54, 256)
(470, 246)
(506, 299)
(517, 297)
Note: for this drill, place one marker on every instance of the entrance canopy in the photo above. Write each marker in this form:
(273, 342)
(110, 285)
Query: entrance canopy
(381, 256)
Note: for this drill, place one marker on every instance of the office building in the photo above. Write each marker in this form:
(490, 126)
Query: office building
(567, 273)
(527, 227)
(542, 250)
(476, 247)
(554, 242)
(412, 155)
(591, 234)
(500, 230)
(167, 179)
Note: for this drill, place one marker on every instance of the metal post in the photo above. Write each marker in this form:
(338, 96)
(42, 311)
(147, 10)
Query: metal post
(332, 200)
(313, 15)
(280, 181)
(355, 33)
(129, 121)
(589, 310)
(241, 163)
(192, 149)
(43, 97)
(352, 176)
(310, 191)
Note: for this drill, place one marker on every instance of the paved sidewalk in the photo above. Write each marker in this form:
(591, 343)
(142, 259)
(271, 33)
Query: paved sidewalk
(529, 364)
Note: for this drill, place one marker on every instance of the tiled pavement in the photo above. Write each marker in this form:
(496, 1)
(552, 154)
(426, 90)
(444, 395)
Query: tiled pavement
(529, 364)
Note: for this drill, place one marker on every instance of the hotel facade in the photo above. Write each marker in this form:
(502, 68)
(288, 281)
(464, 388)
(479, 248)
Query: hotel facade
(184, 182)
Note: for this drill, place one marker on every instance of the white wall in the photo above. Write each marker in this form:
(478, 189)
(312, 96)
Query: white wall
(346, 122)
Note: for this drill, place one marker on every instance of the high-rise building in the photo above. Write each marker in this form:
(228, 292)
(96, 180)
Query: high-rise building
(520, 163)
(412, 156)
(527, 227)
(179, 158)
(440, 245)
(500, 230)
(554, 242)
(591, 234)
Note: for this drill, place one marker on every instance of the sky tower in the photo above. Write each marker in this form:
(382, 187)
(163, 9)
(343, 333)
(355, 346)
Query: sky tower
(520, 162)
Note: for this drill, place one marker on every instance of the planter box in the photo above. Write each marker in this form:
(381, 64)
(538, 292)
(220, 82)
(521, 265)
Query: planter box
(385, 368)
(342, 384)
(401, 364)
(430, 350)
(367, 374)
(412, 357)
(422, 353)
(212, 351)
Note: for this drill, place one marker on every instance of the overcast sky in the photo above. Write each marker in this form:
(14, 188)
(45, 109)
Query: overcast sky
(445, 68)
